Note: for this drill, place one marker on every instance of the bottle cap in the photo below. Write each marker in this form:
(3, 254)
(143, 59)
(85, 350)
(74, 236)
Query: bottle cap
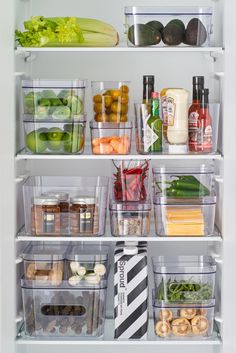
(198, 80)
(155, 95)
(130, 250)
(178, 149)
(148, 79)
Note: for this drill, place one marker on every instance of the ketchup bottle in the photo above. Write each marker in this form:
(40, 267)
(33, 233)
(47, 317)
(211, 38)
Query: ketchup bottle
(204, 137)
(194, 110)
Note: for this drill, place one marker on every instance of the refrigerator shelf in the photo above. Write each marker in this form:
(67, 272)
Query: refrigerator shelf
(24, 155)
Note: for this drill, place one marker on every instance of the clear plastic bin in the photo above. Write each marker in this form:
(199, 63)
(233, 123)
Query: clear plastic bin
(176, 321)
(130, 180)
(184, 182)
(64, 311)
(170, 26)
(44, 264)
(78, 207)
(184, 279)
(185, 217)
(54, 136)
(130, 218)
(87, 265)
(110, 101)
(111, 138)
(57, 99)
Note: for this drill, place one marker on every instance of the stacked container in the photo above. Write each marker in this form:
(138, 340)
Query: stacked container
(111, 132)
(65, 308)
(54, 118)
(61, 206)
(130, 206)
(183, 299)
(184, 200)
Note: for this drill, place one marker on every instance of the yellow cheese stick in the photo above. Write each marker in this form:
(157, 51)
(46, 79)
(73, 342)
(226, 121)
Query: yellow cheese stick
(184, 230)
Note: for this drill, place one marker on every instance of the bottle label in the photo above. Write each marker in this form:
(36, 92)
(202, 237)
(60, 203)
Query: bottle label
(171, 111)
(164, 111)
(149, 136)
(193, 121)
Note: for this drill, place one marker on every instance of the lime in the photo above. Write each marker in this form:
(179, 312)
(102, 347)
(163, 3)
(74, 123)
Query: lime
(55, 137)
(73, 142)
(35, 142)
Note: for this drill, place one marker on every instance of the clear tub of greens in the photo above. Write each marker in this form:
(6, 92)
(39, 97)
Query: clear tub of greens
(184, 279)
(58, 99)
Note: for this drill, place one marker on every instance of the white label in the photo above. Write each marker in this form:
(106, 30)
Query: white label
(193, 120)
(171, 111)
(149, 136)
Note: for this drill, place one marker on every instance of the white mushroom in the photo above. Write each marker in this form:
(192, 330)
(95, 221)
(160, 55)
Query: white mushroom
(74, 266)
(74, 280)
(81, 271)
(92, 278)
(100, 269)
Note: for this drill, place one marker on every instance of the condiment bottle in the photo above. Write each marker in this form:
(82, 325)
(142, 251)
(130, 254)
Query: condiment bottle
(177, 111)
(155, 124)
(193, 113)
(82, 215)
(148, 88)
(45, 216)
(204, 137)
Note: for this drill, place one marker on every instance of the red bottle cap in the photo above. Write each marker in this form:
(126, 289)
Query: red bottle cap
(155, 95)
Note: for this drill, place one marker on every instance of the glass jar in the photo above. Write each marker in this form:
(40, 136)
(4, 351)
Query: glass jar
(83, 215)
(45, 216)
(64, 204)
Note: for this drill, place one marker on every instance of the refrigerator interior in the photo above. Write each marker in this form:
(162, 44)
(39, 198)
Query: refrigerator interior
(171, 68)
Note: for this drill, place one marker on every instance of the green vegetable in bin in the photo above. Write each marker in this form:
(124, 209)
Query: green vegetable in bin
(183, 291)
(63, 96)
(55, 138)
(75, 104)
(62, 113)
(30, 102)
(73, 138)
(42, 112)
(36, 141)
(186, 186)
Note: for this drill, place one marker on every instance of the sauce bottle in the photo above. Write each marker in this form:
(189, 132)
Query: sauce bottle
(204, 137)
(194, 110)
(155, 124)
(148, 88)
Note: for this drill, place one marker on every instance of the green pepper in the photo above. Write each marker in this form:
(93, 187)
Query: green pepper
(178, 193)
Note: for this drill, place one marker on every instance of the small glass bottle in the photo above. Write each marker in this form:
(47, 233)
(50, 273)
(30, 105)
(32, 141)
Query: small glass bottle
(63, 198)
(82, 215)
(148, 88)
(45, 216)
(155, 124)
(204, 137)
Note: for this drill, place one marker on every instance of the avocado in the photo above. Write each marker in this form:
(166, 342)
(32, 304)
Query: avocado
(143, 35)
(156, 25)
(177, 22)
(172, 34)
(196, 33)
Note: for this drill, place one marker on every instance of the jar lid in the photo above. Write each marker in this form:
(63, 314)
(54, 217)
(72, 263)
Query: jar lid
(45, 201)
(83, 200)
(54, 84)
(61, 196)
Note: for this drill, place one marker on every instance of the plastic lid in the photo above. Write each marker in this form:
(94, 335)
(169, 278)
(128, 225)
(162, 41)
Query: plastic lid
(130, 250)
(61, 196)
(77, 119)
(184, 265)
(192, 169)
(83, 200)
(64, 285)
(168, 10)
(45, 83)
(88, 253)
(130, 206)
(197, 305)
(45, 201)
(178, 149)
(206, 200)
(95, 125)
(47, 253)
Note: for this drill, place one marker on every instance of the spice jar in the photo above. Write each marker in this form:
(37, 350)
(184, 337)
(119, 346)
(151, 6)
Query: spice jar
(45, 216)
(83, 215)
(63, 198)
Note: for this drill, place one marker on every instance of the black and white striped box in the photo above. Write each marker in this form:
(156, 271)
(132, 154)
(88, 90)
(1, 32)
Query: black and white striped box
(131, 293)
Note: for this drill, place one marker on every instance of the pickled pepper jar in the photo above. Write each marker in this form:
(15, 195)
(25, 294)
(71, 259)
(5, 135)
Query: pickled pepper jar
(45, 216)
(64, 204)
(83, 215)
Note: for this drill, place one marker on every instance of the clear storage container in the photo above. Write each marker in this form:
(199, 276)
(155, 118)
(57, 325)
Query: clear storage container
(185, 217)
(87, 265)
(184, 279)
(44, 264)
(58, 99)
(184, 182)
(183, 321)
(83, 213)
(111, 138)
(110, 101)
(56, 136)
(130, 180)
(64, 311)
(171, 26)
(130, 218)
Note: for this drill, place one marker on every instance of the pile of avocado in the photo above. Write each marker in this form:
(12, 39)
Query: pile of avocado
(174, 33)
(69, 139)
(47, 103)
